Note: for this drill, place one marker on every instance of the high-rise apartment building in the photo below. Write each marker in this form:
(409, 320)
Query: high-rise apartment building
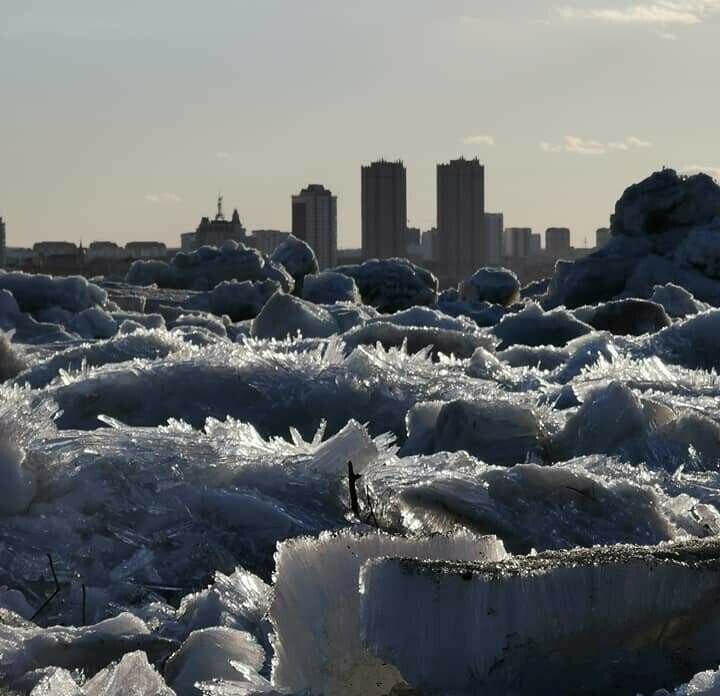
(314, 220)
(535, 243)
(557, 241)
(602, 237)
(384, 210)
(518, 242)
(429, 244)
(494, 224)
(462, 247)
(413, 237)
(3, 245)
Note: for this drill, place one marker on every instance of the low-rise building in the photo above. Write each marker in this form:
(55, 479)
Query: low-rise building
(267, 241)
(187, 241)
(57, 258)
(105, 251)
(146, 250)
(219, 230)
(18, 257)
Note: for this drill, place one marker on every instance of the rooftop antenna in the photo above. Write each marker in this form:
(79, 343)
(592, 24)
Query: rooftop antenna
(220, 215)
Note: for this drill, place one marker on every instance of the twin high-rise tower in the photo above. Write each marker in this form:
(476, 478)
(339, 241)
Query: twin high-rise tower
(462, 245)
(464, 241)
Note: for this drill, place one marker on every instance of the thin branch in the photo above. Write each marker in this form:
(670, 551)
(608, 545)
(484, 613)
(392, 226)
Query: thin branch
(53, 595)
(352, 486)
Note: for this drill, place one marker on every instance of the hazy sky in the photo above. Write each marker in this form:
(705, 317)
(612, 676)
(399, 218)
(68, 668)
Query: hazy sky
(122, 120)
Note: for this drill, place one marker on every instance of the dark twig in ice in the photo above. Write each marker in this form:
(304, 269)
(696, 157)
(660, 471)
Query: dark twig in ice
(587, 495)
(53, 595)
(352, 485)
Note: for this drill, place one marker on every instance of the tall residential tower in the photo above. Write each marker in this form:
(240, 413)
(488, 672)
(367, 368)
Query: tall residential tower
(3, 245)
(314, 220)
(462, 246)
(494, 227)
(384, 210)
(557, 241)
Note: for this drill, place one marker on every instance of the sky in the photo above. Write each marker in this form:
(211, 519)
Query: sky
(123, 121)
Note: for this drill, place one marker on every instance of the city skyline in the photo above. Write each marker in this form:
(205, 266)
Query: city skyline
(108, 137)
(172, 241)
(20, 238)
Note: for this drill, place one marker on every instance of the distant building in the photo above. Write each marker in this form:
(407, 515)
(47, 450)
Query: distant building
(349, 257)
(105, 251)
(462, 247)
(384, 209)
(106, 259)
(494, 223)
(518, 242)
(49, 249)
(146, 250)
(535, 244)
(187, 241)
(314, 220)
(57, 258)
(414, 250)
(413, 237)
(267, 241)
(602, 237)
(557, 241)
(413, 241)
(3, 244)
(429, 243)
(18, 257)
(219, 230)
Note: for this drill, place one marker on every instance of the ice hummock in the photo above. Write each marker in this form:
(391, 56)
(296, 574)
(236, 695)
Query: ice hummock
(316, 590)
(329, 287)
(494, 285)
(298, 259)
(212, 653)
(12, 359)
(26, 647)
(36, 292)
(393, 284)
(206, 267)
(527, 624)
